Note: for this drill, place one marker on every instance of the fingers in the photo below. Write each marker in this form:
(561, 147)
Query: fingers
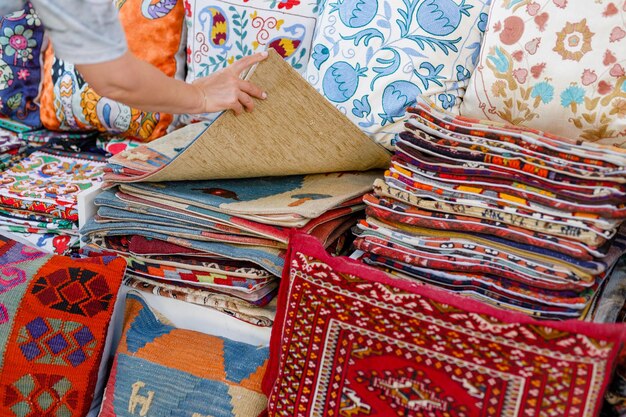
(237, 107)
(252, 89)
(246, 101)
(248, 61)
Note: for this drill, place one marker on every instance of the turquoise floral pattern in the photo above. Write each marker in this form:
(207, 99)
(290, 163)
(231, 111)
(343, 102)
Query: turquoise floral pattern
(18, 42)
(21, 43)
(546, 65)
(543, 91)
(572, 96)
(372, 58)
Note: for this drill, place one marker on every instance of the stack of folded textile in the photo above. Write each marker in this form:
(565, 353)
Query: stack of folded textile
(38, 197)
(228, 237)
(514, 217)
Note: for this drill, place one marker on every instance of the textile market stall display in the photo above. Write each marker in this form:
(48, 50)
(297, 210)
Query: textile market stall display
(489, 255)
(221, 242)
(511, 216)
(226, 236)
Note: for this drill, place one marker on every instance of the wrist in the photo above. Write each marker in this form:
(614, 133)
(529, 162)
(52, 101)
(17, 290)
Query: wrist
(201, 100)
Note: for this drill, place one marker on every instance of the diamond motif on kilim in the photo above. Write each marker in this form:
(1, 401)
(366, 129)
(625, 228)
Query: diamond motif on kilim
(56, 342)
(74, 290)
(29, 397)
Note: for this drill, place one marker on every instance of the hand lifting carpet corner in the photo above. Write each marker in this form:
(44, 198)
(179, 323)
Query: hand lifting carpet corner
(294, 131)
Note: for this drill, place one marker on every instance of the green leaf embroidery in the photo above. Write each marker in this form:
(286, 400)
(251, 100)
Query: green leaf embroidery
(14, 101)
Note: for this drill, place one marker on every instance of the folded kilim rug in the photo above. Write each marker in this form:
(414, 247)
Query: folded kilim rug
(238, 223)
(54, 317)
(351, 340)
(514, 217)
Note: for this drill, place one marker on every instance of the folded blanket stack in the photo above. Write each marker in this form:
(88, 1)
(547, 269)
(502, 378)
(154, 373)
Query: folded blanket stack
(38, 192)
(514, 217)
(228, 237)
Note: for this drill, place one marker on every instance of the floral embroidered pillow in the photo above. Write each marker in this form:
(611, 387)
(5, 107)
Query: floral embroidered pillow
(154, 32)
(373, 58)
(551, 66)
(221, 32)
(21, 41)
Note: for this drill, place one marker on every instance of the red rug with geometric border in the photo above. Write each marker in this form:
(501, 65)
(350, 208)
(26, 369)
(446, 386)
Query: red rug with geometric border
(349, 340)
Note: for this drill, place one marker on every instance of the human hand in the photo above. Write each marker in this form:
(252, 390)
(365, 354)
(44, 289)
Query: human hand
(224, 89)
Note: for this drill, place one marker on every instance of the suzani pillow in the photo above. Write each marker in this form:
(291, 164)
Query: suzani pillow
(372, 58)
(21, 43)
(160, 370)
(350, 340)
(154, 32)
(221, 32)
(54, 317)
(554, 65)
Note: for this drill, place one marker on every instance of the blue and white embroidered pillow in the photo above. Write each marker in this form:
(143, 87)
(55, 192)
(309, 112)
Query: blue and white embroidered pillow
(371, 58)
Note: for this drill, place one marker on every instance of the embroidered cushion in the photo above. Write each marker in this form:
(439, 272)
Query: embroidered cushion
(546, 65)
(154, 32)
(160, 370)
(359, 342)
(21, 42)
(372, 58)
(54, 316)
(220, 32)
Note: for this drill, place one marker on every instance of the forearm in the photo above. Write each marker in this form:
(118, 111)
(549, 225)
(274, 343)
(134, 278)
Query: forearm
(141, 85)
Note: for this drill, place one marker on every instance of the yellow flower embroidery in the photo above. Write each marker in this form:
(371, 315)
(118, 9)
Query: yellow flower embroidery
(499, 89)
(574, 40)
(619, 108)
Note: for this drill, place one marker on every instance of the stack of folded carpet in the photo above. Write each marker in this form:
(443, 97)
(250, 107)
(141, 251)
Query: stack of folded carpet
(225, 237)
(514, 217)
(214, 234)
(38, 192)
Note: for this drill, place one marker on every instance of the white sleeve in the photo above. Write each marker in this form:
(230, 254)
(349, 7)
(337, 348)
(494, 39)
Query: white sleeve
(9, 6)
(82, 31)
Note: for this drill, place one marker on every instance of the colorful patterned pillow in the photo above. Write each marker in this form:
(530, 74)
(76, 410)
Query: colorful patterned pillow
(21, 43)
(548, 65)
(220, 32)
(160, 370)
(359, 342)
(54, 316)
(372, 58)
(154, 33)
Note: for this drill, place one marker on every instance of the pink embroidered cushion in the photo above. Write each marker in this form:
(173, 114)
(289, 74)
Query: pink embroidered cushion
(548, 65)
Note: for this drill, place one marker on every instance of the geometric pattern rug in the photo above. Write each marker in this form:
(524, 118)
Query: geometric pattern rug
(54, 316)
(352, 340)
(160, 370)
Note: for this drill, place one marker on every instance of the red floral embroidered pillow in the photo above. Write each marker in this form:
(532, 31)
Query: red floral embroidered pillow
(220, 32)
